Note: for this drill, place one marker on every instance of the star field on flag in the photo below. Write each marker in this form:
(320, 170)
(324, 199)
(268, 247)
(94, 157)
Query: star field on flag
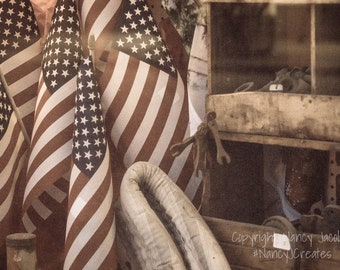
(89, 136)
(140, 37)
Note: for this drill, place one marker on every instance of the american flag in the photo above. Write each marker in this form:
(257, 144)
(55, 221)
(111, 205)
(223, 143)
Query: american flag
(13, 148)
(90, 223)
(144, 99)
(20, 55)
(51, 144)
(98, 18)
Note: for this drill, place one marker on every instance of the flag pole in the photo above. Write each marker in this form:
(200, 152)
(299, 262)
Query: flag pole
(91, 44)
(15, 109)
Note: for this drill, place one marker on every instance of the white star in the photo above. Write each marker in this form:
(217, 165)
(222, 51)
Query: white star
(54, 73)
(3, 53)
(86, 143)
(66, 62)
(27, 38)
(88, 155)
(69, 30)
(93, 107)
(99, 153)
(87, 61)
(7, 32)
(152, 41)
(134, 49)
(88, 72)
(68, 41)
(97, 142)
(143, 45)
(161, 61)
(21, 14)
(70, 20)
(124, 29)
(81, 97)
(156, 51)
(142, 21)
(71, 9)
(120, 43)
(83, 120)
(78, 156)
(89, 166)
(137, 11)
(92, 96)
(148, 55)
(129, 39)
(90, 84)
(95, 119)
(19, 25)
(133, 25)
(15, 45)
(67, 52)
(82, 109)
(56, 62)
(128, 15)
(60, 19)
(58, 40)
(65, 73)
(147, 31)
(8, 22)
(54, 83)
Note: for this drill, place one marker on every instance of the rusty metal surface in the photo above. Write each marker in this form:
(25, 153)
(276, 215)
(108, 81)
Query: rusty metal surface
(305, 177)
(333, 185)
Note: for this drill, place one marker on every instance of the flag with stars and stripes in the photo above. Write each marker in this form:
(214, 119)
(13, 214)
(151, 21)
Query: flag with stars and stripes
(51, 143)
(20, 55)
(90, 223)
(144, 98)
(13, 149)
(98, 19)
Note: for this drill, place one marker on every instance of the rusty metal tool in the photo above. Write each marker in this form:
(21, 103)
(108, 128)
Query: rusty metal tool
(222, 157)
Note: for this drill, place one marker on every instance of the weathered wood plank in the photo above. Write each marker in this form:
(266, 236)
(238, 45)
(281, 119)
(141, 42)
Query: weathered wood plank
(294, 116)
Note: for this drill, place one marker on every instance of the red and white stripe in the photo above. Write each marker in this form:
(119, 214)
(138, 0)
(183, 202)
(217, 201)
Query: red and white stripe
(21, 72)
(98, 18)
(51, 143)
(13, 150)
(90, 231)
(146, 111)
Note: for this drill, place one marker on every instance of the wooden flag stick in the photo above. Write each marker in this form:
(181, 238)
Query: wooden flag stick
(15, 109)
(91, 44)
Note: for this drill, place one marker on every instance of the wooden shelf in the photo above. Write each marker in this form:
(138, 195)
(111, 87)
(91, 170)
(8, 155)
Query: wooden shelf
(296, 120)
